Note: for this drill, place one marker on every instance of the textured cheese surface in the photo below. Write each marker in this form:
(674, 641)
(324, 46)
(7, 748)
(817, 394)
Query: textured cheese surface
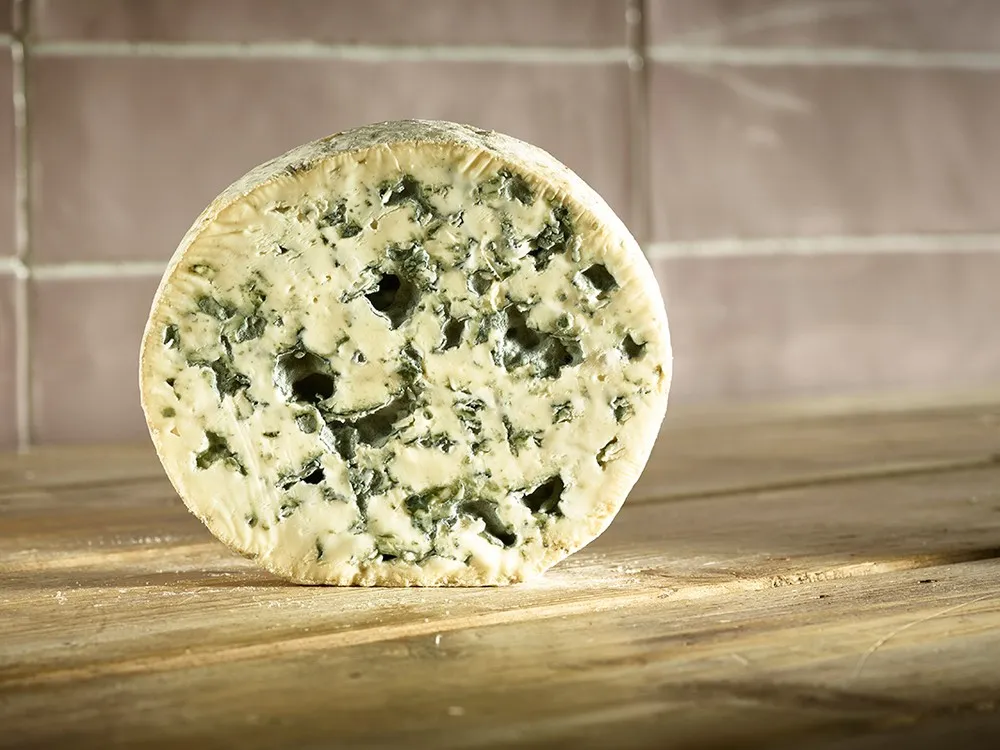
(415, 353)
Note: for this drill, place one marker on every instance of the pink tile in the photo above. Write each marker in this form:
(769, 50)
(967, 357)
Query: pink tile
(599, 23)
(811, 151)
(6, 154)
(888, 24)
(763, 327)
(86, 359)
(130, 150)
(8, 411)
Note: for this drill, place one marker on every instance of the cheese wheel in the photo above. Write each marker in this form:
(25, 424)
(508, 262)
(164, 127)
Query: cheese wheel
(413, 353)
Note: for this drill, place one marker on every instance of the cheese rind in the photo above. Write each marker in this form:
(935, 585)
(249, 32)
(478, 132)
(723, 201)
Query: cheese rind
(414, 353)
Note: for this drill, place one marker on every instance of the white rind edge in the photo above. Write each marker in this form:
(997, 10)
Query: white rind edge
(570, 189)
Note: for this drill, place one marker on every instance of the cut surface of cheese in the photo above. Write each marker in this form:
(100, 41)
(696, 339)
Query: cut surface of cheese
(413, 353)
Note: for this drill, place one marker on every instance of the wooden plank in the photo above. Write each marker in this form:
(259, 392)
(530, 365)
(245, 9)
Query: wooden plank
(77, 466)
(710, 453)
(980, 730)
(780, 580)
(781, 665)
(189, 598)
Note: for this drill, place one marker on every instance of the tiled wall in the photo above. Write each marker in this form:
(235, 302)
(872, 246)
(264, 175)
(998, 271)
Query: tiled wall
(816, 183)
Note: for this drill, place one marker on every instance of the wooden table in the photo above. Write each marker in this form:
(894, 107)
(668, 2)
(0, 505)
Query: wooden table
(824, 576)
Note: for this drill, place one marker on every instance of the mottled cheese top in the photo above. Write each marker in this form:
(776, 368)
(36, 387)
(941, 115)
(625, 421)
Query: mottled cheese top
(412, 354)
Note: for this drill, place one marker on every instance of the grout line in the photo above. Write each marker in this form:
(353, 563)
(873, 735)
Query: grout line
(886, 244)
(22, 364)
(638, 121)
(319, 51)
(13, 266)
(716, 248)
(818, 57)
(85, 270)
(663, 53)
(120, 270)
(21, 265)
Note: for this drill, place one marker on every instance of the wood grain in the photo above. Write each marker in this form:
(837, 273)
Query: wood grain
(836, 584)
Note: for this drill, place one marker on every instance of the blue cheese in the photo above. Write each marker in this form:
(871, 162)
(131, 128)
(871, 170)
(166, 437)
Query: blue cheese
(414, 353)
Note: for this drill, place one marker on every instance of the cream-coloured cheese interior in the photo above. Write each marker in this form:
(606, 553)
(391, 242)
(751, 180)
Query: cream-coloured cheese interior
(410, 364)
